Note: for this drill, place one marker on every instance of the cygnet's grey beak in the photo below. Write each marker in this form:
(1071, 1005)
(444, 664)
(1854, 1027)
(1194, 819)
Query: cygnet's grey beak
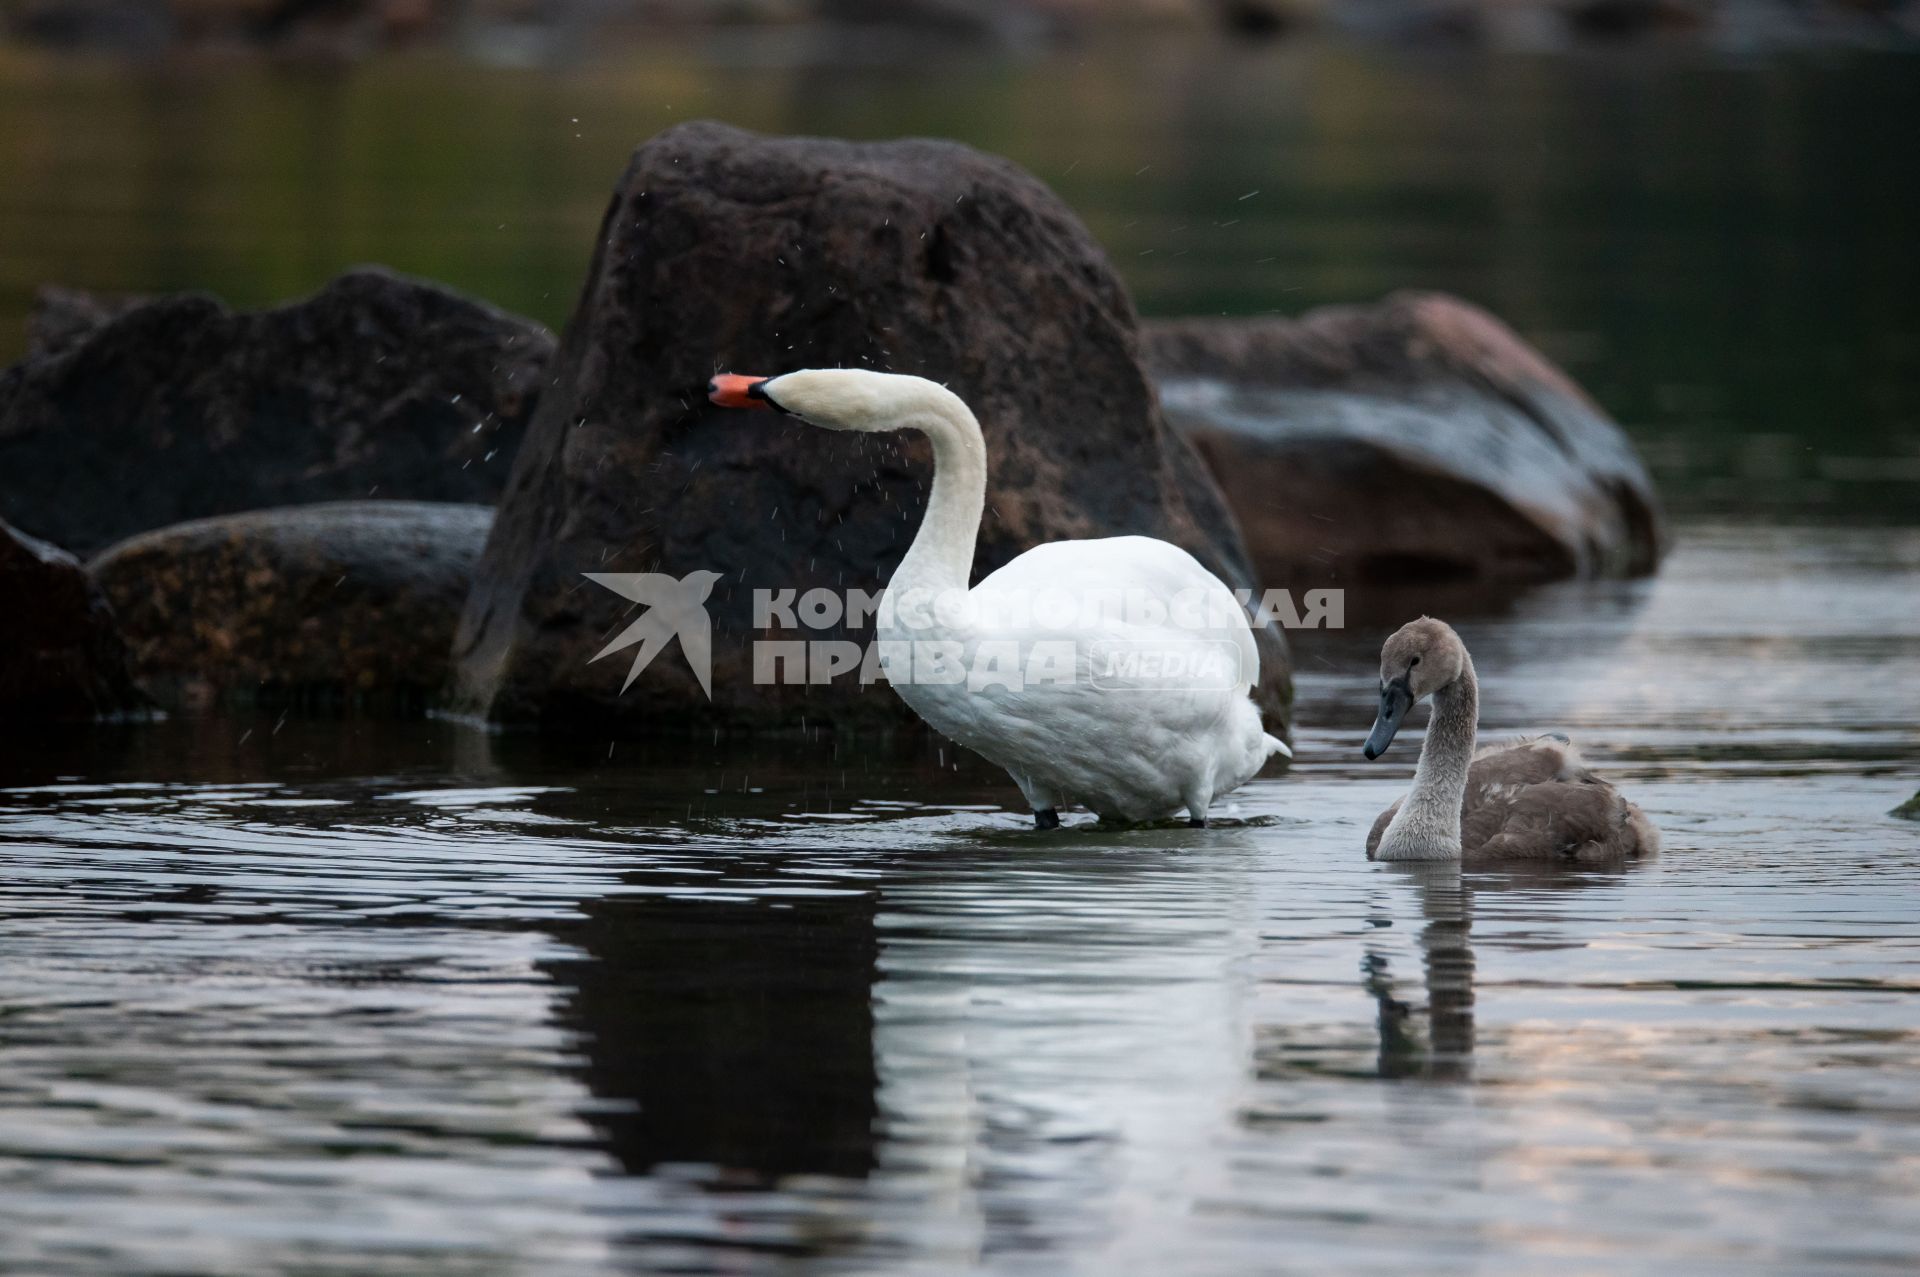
(1396, 698)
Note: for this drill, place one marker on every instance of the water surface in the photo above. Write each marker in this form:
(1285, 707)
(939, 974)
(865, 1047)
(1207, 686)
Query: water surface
(330, 998)
(339, 997)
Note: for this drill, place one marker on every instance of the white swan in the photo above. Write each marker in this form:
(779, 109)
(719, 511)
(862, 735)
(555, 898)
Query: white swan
(1151, 711)
(1533, 799)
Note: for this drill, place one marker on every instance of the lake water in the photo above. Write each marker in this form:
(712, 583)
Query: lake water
(284, 996)
(358, 998)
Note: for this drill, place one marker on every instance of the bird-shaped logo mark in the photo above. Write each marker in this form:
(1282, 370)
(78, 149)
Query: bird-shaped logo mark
(674, 606)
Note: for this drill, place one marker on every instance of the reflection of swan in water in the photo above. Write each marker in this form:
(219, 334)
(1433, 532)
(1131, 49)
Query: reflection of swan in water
(1447, 959)
(822, 1075)
(1444, 1050)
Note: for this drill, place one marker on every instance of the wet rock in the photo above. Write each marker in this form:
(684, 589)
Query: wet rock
(60, 654)
(883, 27)
(1627, 19)
(299, 28)
(177, 407)
(1909, 810)
(348, 602)
(63, 317)
(724, 250)
(116, 26)
(1417, 441)
(1262, 19)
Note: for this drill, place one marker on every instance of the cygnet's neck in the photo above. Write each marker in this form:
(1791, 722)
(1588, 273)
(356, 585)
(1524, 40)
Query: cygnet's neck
(1427, 826)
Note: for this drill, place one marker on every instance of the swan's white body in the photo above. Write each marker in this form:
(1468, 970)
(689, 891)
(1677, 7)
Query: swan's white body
(1123, 744)
(1119, 744)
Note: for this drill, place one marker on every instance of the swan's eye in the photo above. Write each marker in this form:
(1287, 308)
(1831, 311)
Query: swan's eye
(1415, 661)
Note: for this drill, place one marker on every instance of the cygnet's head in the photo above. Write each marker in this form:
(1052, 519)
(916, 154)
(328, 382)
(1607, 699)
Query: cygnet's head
(1422, 657)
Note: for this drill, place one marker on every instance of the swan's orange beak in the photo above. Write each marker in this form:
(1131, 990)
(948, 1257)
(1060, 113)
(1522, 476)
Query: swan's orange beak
(731, 390)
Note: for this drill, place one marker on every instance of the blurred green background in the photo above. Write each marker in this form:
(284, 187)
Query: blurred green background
(1724, 249)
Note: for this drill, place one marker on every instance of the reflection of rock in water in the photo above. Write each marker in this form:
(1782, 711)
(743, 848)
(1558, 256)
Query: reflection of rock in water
(733, 1033)
(1447, 956)
(328, 756)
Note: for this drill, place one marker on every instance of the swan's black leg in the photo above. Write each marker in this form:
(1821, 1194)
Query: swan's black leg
(1197, 822)
(1046, 818)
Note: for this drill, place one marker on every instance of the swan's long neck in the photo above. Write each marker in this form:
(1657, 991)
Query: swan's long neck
(1428, 823)
(941, 556)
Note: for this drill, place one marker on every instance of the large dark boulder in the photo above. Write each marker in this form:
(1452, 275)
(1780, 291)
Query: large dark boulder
(725, 250)
(349, 603)
(137, 416)
(1417, 441)
(60, 654)
(64, 317)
